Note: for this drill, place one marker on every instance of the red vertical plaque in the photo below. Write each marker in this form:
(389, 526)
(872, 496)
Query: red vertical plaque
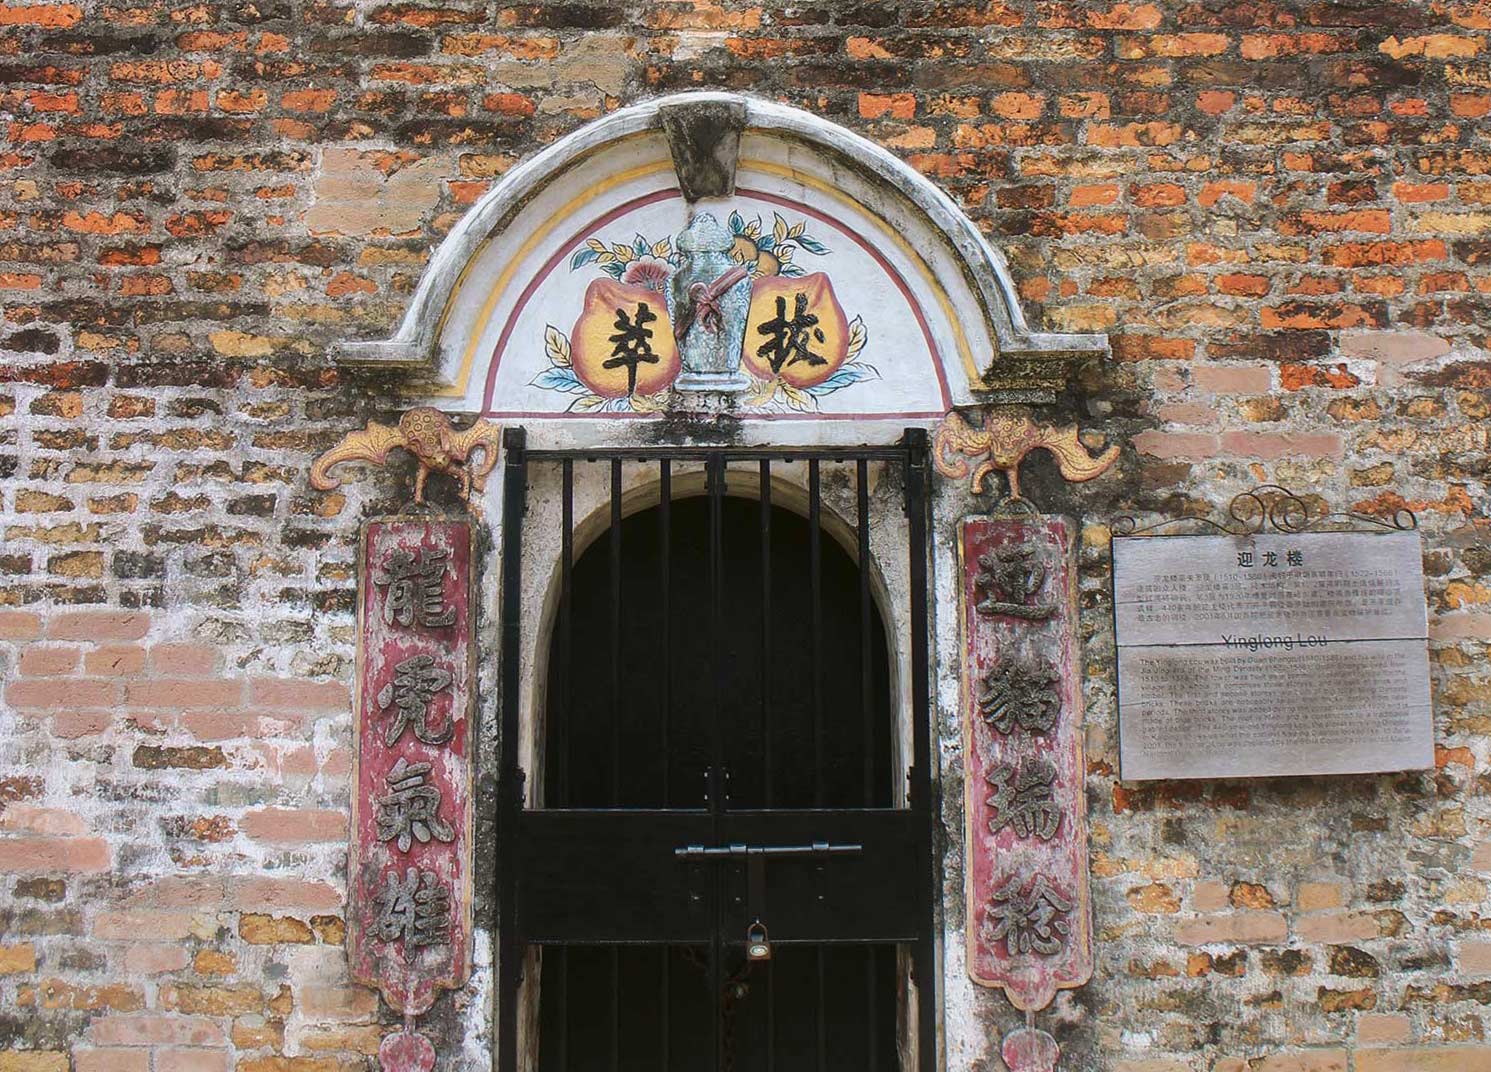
(409, 871)
(1029, 918)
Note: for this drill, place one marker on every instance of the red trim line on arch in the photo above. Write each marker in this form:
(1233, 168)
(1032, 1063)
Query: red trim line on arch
(669, 194)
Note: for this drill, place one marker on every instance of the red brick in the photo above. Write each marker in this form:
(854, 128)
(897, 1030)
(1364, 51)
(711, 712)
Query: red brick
(19, 625)
(42, 660)
(1471, 1058)
(72, 724)
(115, 660)
(1233, 928)
(293, 826)
(192, 1060)
(178, 891)
(1087, 196)
(149, 1029)
(55, 693)
(109, 1059)
(98, 625)
(181, 693)
(45, 16)
(148, 959)
(119, 926)
(1176, 444)
(267, 894)
(184, 660)
(1270, 446)
(881, 105)
(301, 695)
(30, 855)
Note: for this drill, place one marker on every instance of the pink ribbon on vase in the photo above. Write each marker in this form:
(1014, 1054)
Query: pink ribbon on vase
(705, 299)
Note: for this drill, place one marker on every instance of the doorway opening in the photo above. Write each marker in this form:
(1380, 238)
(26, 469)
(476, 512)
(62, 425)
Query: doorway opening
(722, 872)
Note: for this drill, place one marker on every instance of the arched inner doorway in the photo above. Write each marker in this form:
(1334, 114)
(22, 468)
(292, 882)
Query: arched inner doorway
(779, 667)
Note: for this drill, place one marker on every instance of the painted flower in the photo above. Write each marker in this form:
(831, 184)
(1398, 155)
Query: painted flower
(648, 271)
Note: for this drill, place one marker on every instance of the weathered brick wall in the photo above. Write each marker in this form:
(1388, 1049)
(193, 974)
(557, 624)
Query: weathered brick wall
(1282, 212)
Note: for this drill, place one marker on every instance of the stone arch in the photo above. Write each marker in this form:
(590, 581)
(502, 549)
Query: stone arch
(936, 300)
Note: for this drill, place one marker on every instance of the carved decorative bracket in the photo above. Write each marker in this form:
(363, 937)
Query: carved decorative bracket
(429, 435)
(1005, 439)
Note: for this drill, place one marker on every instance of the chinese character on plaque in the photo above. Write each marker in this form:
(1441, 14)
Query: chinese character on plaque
(1029, 927)
(409, 924)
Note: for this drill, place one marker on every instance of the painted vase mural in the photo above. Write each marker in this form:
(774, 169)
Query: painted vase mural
(708, 295)
(721, 307)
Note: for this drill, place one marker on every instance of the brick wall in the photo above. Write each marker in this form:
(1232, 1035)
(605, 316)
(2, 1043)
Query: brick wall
(1280, 210)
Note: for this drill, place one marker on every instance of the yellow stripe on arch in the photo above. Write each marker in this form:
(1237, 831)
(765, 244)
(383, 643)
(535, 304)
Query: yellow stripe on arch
(570, 208)
(540, 233)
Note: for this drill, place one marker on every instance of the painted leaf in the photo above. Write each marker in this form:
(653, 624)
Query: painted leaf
(556, 346)
(559, 379)
(845, 377)
(737, 223)
(587, 404)
(582, 257)
(662, 247)
(812, 245)
(798, 399)
(778, 227)
(858, 336)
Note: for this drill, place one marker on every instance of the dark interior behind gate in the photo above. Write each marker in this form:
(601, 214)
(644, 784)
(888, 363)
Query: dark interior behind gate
(719, 773)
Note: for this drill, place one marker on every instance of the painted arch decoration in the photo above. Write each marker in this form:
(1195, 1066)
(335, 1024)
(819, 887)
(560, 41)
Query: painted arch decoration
(712, 246)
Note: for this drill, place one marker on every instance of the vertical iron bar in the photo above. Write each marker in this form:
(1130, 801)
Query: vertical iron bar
(715, 488)
(821, 1015)
(866, 663)
(924, 956)
(566, 590)
(665, 597)
(510, 788)
(665, 1008)
(815, 596)
(765, 666)
(615, 1008)
(561, 999)
(771, 1017)
(872, 1019)
(615, 632)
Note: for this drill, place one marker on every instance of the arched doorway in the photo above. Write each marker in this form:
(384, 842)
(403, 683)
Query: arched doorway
(638, 733)
(719, 766)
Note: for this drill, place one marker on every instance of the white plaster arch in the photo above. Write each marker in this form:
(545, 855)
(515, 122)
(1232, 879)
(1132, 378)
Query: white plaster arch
(956, 286)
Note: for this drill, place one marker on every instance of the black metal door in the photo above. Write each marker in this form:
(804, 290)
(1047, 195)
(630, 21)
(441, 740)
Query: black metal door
(717, 774)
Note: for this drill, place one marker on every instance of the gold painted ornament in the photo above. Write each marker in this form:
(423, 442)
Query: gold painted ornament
(1005, 439)
(428, 434)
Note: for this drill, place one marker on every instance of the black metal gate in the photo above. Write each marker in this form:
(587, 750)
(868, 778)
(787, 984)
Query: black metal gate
(696, 859)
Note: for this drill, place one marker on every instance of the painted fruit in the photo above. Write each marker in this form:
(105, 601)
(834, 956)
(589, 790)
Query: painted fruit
(796, 330)
(745, 250)
(623, 341)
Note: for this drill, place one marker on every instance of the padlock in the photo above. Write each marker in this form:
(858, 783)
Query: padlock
(758, 947)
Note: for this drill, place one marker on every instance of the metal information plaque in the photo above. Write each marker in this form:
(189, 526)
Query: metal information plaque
(1260, 655)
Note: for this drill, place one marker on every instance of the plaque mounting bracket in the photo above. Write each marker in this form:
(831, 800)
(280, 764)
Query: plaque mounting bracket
(1272, 507)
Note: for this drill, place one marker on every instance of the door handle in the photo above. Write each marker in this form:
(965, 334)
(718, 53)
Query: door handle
(742, 851)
